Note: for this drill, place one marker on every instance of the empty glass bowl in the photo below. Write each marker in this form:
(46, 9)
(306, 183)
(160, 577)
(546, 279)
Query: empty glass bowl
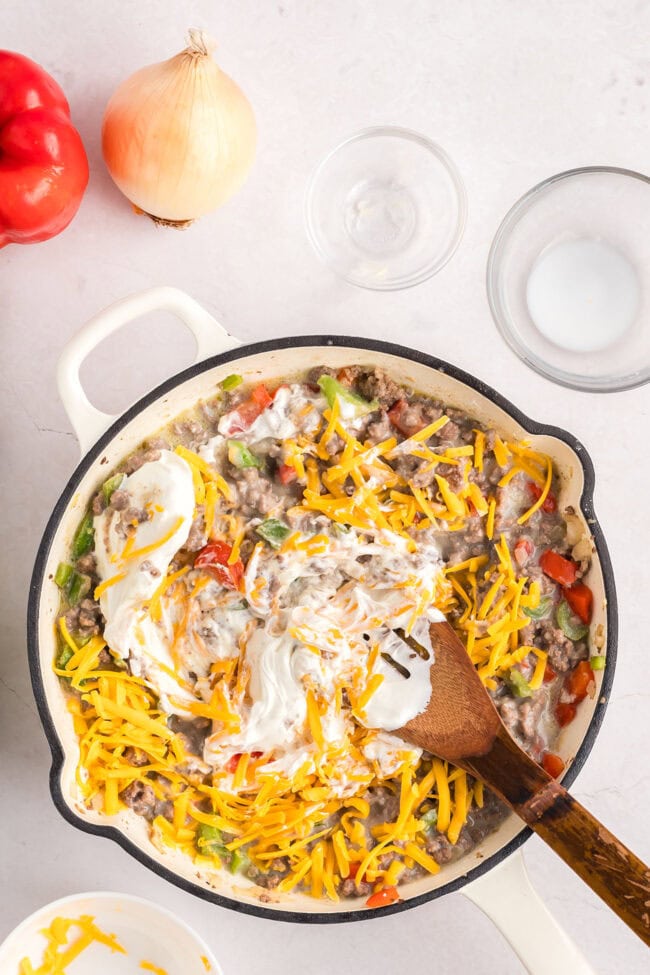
(385, 209)
(568, 278)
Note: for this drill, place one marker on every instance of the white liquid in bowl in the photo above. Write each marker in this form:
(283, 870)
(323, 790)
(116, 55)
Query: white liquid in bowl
(583, 295)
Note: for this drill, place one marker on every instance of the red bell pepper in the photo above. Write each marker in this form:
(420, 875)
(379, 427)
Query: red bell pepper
(383, 897)
(565, 713)
(244, 414)
(286, 474)
(549, 674)
(581, 599)
(233, 761)
(523, 550)
(214, 559)
(552, 764)
(550, 503)
(557, 568)
(43, 164)
(579, 681)
(406, 426)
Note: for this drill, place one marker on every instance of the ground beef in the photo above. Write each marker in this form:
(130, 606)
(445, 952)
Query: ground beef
(89, 614)
(379, 428)
(449, 434)
(141, 798)
(136, 756)
(255, 492)
(98, 503)
(87, 564)
(563, 653)
(194, 732)
(120, 499)
(453, 474)
(438, 846)
(349, 888)
(377, 385)
(197, 538)
(521, 715)
(314, 374)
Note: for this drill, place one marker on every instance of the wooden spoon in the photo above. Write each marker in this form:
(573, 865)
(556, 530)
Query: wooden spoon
(461, 724)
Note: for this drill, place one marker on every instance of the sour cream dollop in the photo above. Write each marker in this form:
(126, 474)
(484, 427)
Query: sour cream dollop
(163, 491)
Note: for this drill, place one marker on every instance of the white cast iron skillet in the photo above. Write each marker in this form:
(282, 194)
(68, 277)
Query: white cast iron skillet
(498, 885)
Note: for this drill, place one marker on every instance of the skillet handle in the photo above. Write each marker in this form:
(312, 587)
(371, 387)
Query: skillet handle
(507, 897)
(87, 421)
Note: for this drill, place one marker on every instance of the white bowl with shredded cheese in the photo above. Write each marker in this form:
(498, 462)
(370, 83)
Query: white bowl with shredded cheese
(107, 933)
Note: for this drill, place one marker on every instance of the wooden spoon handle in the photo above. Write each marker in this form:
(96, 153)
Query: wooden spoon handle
(604, 863)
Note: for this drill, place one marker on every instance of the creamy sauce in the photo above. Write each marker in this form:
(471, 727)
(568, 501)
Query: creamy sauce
(315, 621)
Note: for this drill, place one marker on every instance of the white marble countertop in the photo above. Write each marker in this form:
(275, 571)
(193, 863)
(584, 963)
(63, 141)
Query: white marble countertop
(514, 92)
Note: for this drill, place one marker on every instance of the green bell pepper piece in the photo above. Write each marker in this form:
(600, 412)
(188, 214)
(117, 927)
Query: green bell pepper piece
(429, 819)
(273, 531)
(240, 456)
(112, 484)
(84, 537)
(64, 656)
(597, 663)
(231, 382)
(209, 841)
(332, 388)
(568, 623)
(541, 611)
(518, 683)
(78, 587)
(239, 861)
(63, 575)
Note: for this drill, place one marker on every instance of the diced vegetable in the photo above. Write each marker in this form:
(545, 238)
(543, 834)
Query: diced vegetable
(549, 674)
(568, 624)
(63, 574)
(238, 861)
(78, 587)
(231, 382)
(598, 663)
(84, 537)
(240, 456)
(565, 713)
(550, 501)
(523, 550)
(581, 599)
(64, 656)
(332, 388)
(209, 842)
(246, 412)
(518, 683)
(552, 764)
(112, 484)
(214, 559)
(541, 610)
(579, 681)
(429, 819)
(354, 869)
(397, 415)
(383, 897)
(286, 474)
(557, 568)
(273, 531)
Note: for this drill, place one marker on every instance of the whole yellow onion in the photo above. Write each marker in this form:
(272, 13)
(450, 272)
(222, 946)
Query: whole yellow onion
(179, 137)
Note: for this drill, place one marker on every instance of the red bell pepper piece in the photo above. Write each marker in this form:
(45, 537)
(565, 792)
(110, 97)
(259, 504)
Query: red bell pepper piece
(565, 713)
(557, 568)
(523, 550)
(550, 501)
(214, 559)
(244, 414)
(286, 474)
(552, 764)
(581, 600)
(549, 674)
(43, 164)
(383, 897)
(580, 680)
(233, 761)
(354, 868)
(406, 425)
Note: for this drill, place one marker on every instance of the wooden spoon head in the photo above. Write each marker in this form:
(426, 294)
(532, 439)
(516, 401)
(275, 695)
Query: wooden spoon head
(460, 720)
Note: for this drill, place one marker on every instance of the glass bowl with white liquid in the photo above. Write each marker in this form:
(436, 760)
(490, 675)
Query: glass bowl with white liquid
(386, 208)
(568, 278)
